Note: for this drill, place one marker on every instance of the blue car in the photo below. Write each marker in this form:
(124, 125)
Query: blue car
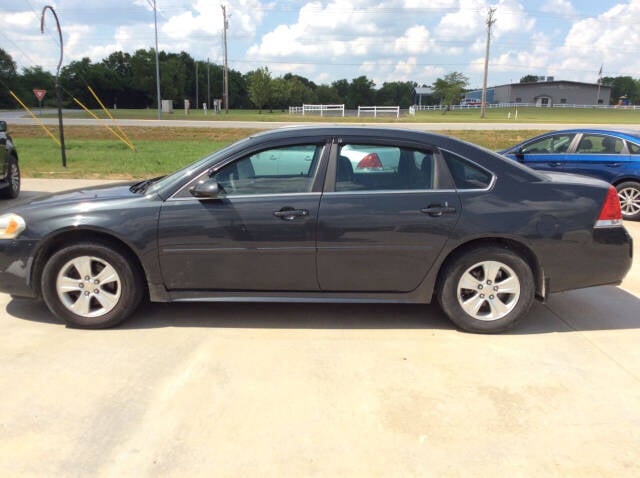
(612, 155)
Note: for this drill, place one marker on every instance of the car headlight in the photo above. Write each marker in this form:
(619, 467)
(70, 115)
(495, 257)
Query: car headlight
(11, 225)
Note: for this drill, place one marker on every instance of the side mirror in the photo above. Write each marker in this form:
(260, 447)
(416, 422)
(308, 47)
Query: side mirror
(3, 126)
(207, 189)
(519, 154)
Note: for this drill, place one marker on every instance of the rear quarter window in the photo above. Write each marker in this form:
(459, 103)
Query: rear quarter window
(466, 175)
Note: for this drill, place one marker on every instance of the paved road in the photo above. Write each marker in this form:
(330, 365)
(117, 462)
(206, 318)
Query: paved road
(323, 390)
(19, 119)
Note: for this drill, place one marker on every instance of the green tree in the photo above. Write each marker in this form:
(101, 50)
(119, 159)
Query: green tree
(259, 87)
(341, 87)
(529, 79)
(396, 93)
(8, 77)
(361, 92)
(450, 88)
(36, 78)
(622, 86)
(327, 95)
(280, 94)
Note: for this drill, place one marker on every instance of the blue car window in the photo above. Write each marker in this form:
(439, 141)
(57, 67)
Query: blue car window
(633, 148)
(599, 144)
(552, 144)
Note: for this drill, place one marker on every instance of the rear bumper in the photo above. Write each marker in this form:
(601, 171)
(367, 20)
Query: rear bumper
(603, 260)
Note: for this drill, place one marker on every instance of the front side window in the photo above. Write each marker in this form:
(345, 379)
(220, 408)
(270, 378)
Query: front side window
(273, 171)
(366, 167)
(552, 144)
(599, 144)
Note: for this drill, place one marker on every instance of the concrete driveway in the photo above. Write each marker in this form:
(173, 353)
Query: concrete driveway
(323, 390)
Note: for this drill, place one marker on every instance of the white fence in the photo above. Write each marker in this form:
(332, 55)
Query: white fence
(323, 110)
(521, 105)
(379, 109)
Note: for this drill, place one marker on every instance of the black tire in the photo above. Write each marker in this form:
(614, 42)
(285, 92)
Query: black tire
(629, 195)
(12, 190)
(75, 298)
(486, 277)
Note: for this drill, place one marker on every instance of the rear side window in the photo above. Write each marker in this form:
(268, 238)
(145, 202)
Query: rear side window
(598, 144)
(371, 167)
(633, 148)
(466, 175)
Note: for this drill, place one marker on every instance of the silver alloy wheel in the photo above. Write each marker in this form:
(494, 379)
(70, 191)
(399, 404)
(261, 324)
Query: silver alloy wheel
(488, 290)
(629, 200)
(88, 286)
(15, 176)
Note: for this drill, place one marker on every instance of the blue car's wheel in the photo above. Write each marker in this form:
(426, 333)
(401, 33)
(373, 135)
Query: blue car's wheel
(629, 195)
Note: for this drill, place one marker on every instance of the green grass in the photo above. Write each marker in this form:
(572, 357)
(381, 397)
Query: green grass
(41, 157)
(525, 115)
(92, 154)
(534, 115)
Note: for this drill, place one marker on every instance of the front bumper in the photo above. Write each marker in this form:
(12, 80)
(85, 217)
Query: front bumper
(16, 261)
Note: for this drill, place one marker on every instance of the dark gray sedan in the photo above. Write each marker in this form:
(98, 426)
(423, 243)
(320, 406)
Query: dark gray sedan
(284, 216)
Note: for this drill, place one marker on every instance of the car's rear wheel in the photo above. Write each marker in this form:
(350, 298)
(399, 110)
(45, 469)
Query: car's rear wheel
(90, 285)
(12, 190)
(487, 289)
(629, 195)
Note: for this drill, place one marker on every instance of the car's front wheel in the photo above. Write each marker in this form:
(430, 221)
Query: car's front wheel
(90, 285)
(629, 195)
(487, 289)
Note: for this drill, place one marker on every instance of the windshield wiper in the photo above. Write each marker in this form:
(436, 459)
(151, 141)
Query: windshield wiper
(143, 185)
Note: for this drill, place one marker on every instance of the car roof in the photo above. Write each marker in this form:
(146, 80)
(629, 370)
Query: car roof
(619, 132)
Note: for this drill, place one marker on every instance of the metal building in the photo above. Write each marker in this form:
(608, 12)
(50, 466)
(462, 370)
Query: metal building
(546, 93)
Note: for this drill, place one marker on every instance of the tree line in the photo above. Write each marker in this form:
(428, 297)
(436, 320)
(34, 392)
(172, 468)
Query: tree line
(129, 81)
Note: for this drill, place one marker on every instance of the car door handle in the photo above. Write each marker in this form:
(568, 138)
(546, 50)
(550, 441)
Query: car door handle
(289, 214)
(555, 164)
(437, 210)
(613, 165)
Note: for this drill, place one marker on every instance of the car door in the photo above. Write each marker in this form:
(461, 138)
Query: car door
(258, 234)
(599, 155)
(548, 153)
(379, 229)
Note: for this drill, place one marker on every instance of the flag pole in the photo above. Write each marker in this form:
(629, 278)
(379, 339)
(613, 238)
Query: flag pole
(599, 83)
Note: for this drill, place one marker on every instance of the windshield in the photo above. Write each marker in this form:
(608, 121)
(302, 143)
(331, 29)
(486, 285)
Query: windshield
(194, 168)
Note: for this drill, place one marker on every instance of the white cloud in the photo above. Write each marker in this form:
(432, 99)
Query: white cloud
(559, 7)
(21, 19)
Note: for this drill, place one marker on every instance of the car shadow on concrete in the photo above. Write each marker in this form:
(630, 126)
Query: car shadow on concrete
(597, 308)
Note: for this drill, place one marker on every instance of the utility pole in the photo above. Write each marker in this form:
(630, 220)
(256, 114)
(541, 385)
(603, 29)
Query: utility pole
(490, 22)
(155, 21)
(226, 65)
(208, 85)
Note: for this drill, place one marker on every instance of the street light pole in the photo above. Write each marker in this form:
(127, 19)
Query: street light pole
(225, 26)
(58, 93)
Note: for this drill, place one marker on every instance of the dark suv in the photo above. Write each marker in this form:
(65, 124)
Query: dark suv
(9, 169)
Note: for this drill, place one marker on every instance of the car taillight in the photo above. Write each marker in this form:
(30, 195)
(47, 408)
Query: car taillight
(370, 161)
(610, 214)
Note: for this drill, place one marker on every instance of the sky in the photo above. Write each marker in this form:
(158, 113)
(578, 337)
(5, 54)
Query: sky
(395, 40)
